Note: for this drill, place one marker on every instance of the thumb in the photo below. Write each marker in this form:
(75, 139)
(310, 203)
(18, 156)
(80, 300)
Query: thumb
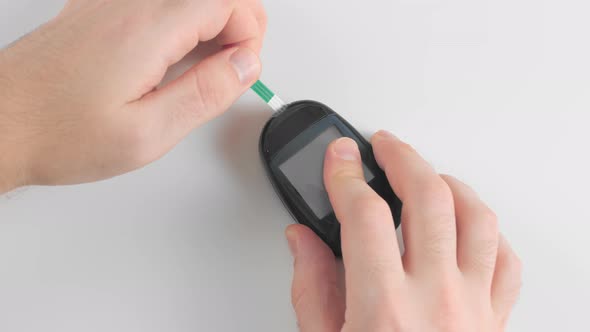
(317, 292)
(201, 94)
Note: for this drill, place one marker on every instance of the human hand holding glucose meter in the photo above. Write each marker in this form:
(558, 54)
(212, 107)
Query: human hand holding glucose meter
(293, 145)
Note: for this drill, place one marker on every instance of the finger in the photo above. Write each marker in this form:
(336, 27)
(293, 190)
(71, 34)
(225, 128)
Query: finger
(199, 95)
(477, 232)
(428, 214)
(369, 244)
(245, 28)
(234, 22)
(69, 6)
(317, 293)
(507, 280)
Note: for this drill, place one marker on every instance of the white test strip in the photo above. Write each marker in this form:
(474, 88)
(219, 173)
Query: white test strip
(276, 103)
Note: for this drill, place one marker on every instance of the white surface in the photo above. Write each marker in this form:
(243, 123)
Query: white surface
(495, 92)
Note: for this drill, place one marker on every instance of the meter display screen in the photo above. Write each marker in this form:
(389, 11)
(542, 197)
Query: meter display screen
(305, 171)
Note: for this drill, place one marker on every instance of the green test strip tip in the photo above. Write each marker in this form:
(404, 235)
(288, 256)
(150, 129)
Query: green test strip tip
(263, 91)
(269, 97)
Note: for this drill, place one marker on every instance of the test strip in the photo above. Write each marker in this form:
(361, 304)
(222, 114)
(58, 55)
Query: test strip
(275, 102)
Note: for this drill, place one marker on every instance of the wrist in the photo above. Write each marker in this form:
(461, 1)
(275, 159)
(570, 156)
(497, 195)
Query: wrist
(12, 164)
(11, 177)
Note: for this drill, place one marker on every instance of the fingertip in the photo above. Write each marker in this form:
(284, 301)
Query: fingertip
(453, 179)
(296, 231)
(304, 243)
(246, 64)
(384, 135)
(382, 141)
(448, 178)
(291, 231)
(507, 281)
(345, 149)
(291, 234)
(317, 293)
(459, 186)
(342, 168)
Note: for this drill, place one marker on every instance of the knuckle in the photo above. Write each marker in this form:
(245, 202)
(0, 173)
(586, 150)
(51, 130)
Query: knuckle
(395, 147)
(262, 18)
(137, 141)
(451, 312)
(298, 294)
(441, 237)
(436, 192)
(344, 173)
(379, 269)
(489, 219)
(303, 296)
(448, 301)
(488, 250)
(204, 98)
(448, 177)
(447, 282)
(511, 271)
(487, 246)
(510, 263)
(405, 147)
(386, 314)
(514, 264)
(485, 259)
(488, 216)
(511, 292)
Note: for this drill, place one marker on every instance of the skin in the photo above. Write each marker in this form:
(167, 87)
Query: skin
(456, 274)
(80, 96)
(81, 100)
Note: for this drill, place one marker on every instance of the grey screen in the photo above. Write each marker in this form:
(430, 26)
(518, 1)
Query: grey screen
(305, 171)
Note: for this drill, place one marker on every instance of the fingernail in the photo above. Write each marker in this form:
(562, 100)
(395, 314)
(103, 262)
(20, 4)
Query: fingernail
(346, 149)
(385, 134)
(292, 240)
(246, 64)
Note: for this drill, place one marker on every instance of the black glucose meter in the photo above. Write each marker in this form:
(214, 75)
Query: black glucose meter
(293, 145)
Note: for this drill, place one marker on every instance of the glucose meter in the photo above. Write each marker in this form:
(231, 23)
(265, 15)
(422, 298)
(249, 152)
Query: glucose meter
(293, 145)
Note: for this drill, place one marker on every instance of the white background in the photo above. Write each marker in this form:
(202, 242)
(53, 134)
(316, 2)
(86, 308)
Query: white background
(495, 92)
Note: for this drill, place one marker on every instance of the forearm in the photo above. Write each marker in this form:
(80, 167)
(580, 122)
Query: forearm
(82, 99)
(12, 132)
(10, 178)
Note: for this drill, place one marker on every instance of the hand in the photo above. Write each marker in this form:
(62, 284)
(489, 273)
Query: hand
(78, 97)
(457, 273)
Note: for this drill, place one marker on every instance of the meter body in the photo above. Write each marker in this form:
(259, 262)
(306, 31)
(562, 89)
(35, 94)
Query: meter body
(293, 145)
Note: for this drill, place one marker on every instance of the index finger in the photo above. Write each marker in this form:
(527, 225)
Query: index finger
(246, 26)
(429, 223)
(369, 244)
(231, 23)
